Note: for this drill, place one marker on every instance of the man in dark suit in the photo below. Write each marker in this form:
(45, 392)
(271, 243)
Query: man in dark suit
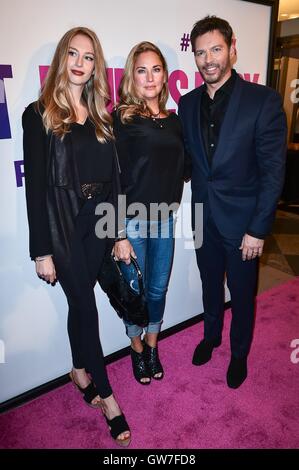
(235, 132)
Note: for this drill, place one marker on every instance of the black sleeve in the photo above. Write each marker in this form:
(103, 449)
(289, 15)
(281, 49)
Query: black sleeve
(118, 201)
(34, 145)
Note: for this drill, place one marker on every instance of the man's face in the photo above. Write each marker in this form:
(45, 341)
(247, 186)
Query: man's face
(213, 57)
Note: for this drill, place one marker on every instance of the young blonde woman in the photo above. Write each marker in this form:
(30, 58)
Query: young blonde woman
(151, 154)
(70, 167)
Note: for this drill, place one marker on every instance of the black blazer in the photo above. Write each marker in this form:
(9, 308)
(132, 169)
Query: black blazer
(244, 182)
(53, 191)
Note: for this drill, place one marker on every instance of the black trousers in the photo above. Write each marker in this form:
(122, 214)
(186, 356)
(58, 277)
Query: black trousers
(78, 281)
(216, 257)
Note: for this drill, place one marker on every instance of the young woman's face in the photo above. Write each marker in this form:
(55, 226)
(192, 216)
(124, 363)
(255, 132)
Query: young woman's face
(149, 76)
(80, 63)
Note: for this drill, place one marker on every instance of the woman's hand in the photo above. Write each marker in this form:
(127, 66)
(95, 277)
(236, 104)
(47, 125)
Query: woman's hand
(45, 269)
(123, 251)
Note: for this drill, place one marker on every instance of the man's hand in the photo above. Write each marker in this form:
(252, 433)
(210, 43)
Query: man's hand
(251, 247)
(123, 251)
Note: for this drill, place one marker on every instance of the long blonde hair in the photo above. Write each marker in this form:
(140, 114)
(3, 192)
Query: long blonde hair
(55, 103)
(129, 102)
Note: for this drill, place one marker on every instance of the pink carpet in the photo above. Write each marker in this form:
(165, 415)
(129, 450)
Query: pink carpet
(192, 407)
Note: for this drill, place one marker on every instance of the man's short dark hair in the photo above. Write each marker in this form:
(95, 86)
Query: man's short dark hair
(209, 24)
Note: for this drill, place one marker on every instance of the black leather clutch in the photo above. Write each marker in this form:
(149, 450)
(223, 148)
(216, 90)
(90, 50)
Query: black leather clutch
(128, 304)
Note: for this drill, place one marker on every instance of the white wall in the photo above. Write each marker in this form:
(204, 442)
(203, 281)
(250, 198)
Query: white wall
(33, 315)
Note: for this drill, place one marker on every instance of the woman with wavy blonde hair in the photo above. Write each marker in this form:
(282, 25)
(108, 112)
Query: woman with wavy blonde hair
(70, 168)
(56, 96)
(151, 154)
(132, 103)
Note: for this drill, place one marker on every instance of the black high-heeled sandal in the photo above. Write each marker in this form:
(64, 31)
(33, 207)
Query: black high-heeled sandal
(89, 393)
(117, 426)
(140, 370)
(152, 361)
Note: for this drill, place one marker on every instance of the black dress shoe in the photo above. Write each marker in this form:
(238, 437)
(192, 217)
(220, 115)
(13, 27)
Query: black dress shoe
(236, 372)
(203, 352)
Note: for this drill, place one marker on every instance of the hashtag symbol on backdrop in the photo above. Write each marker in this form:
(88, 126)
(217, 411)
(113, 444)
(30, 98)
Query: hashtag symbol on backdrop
(185, 42)
(2, 96)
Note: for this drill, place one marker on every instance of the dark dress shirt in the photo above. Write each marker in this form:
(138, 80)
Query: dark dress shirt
(212, 114)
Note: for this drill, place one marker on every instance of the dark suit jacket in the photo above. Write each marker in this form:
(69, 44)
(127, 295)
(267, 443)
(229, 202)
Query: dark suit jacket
(53, 191)
(244, 182)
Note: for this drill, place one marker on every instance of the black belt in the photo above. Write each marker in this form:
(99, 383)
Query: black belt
(90, 190)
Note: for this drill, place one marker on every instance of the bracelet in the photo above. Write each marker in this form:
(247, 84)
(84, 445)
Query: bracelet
(42, 258)
(119, 239)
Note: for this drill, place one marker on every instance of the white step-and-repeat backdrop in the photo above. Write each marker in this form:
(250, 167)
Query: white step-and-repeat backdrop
(33, 340)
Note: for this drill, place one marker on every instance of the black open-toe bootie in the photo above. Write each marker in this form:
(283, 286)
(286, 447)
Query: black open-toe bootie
(152, 361)
(140, 369)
